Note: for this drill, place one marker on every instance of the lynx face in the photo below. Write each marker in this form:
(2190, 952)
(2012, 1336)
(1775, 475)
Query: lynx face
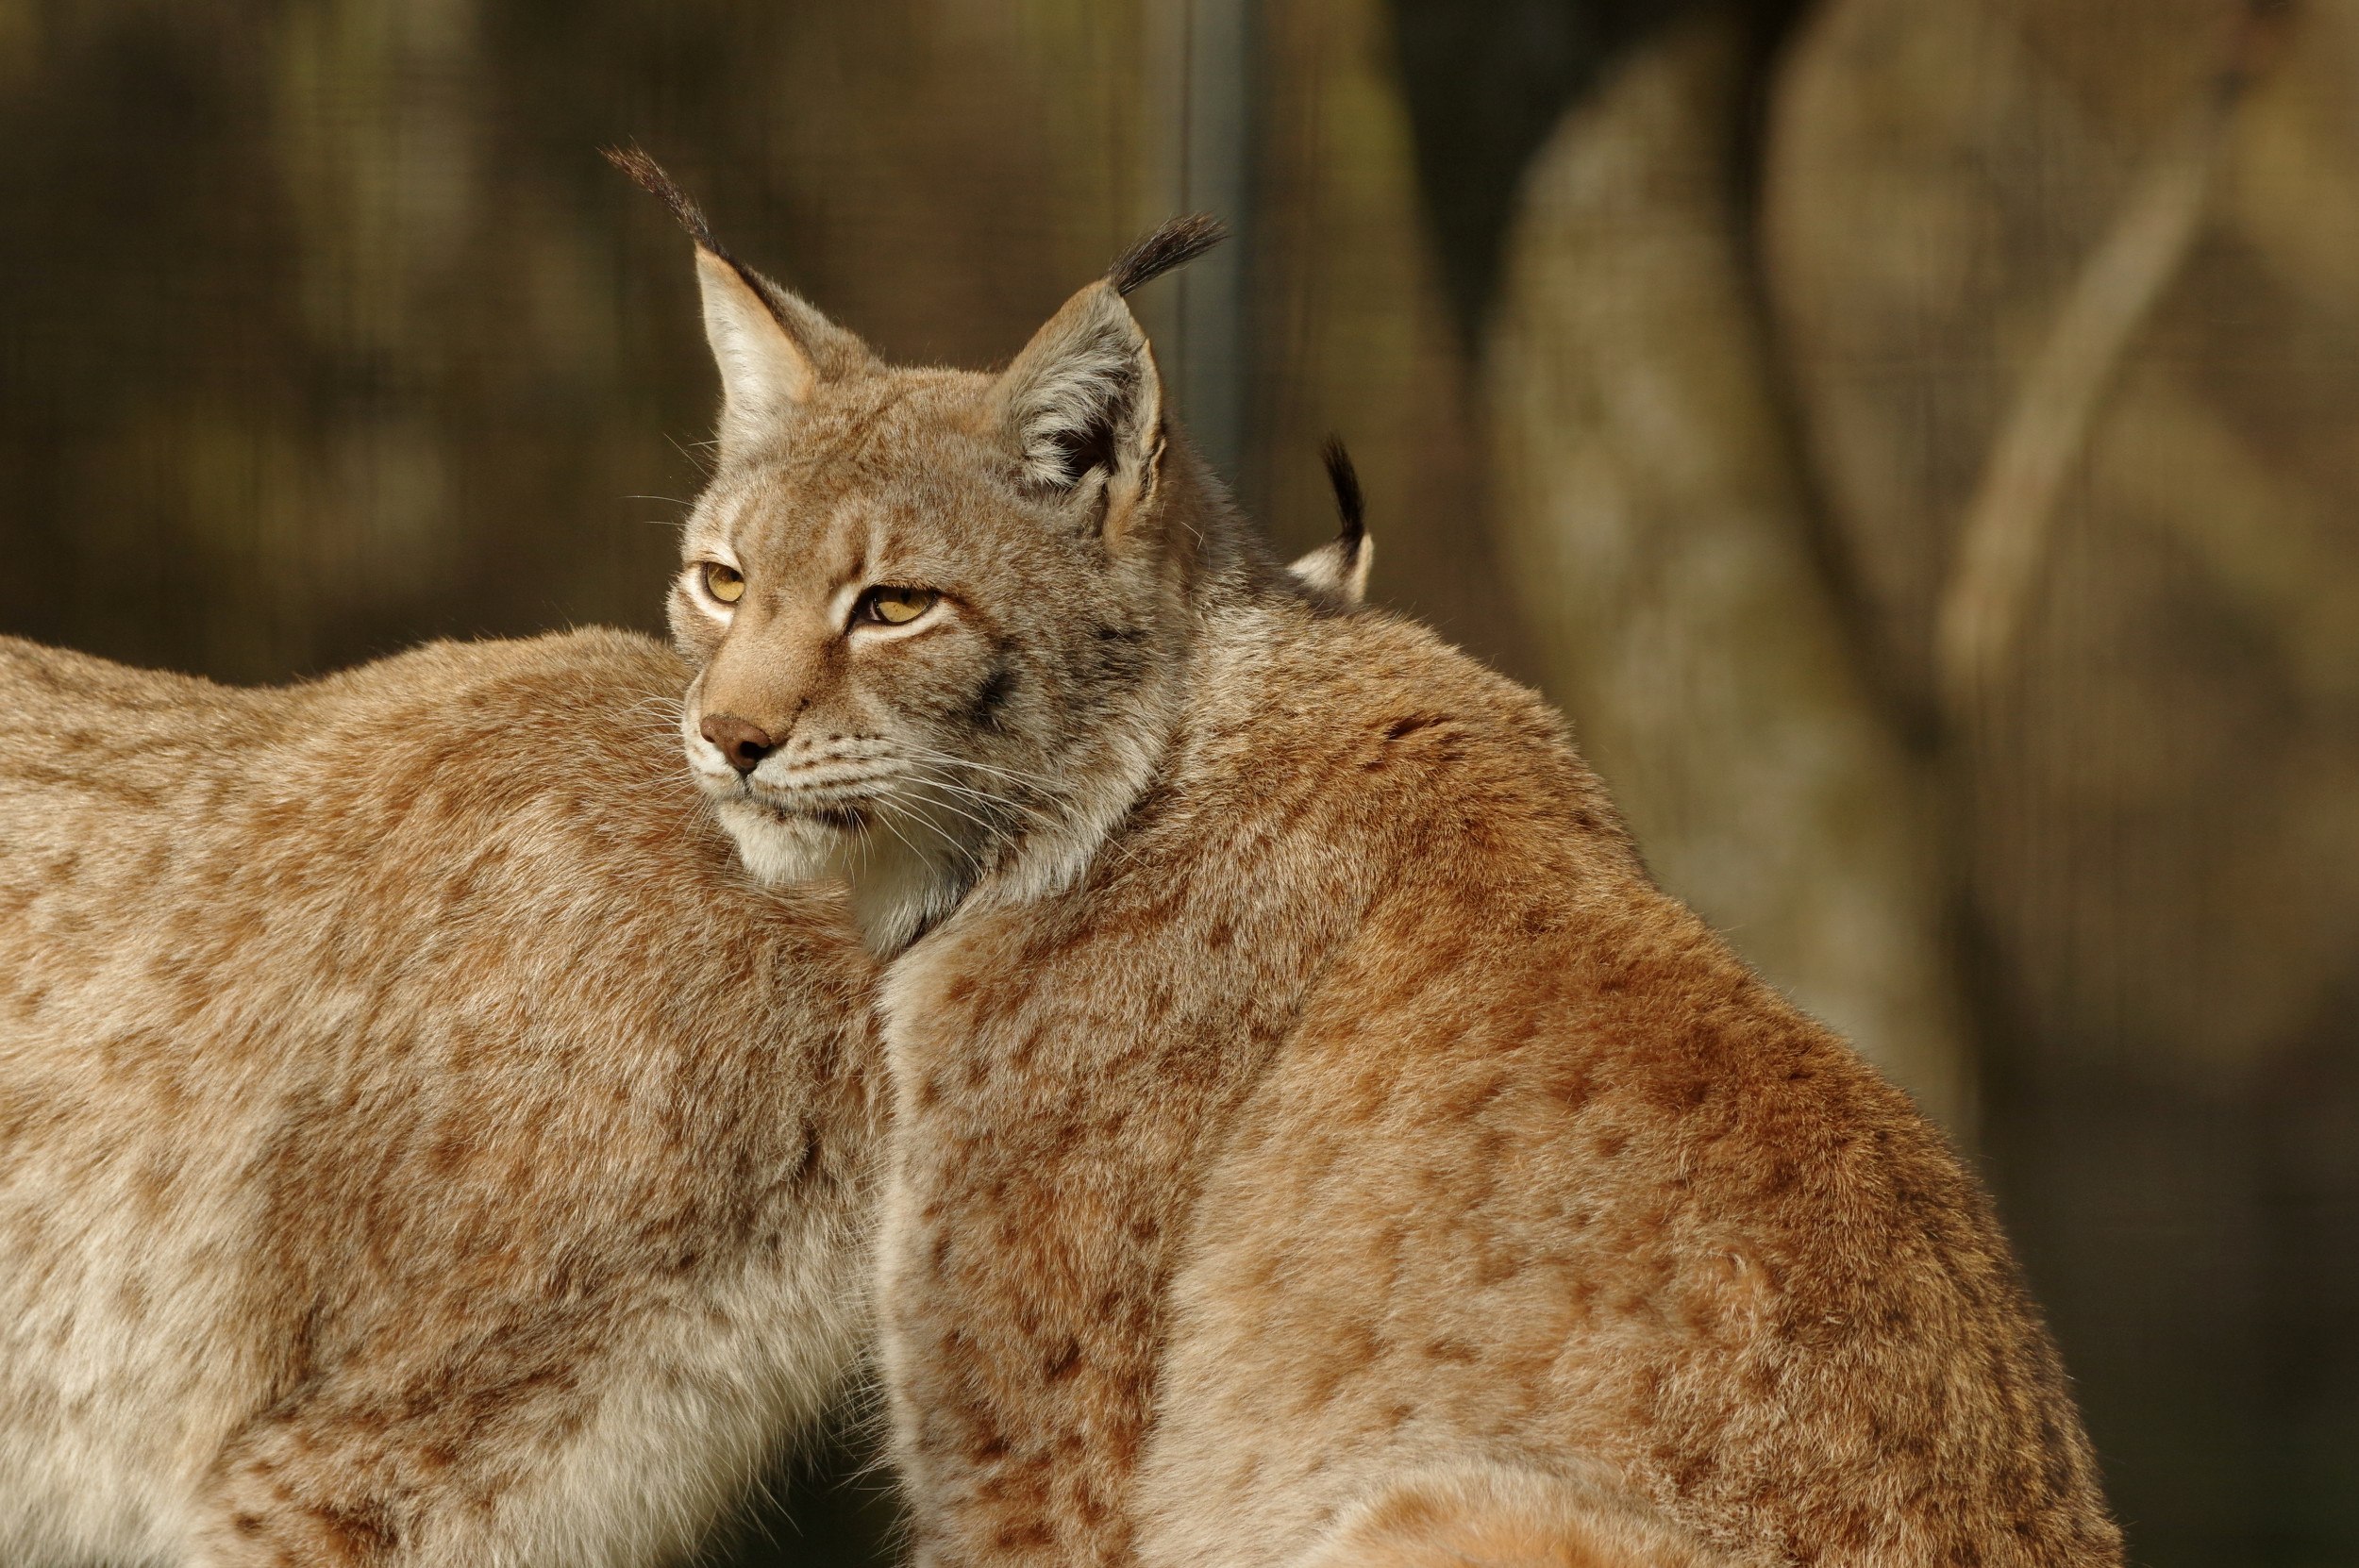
(938, 614)
(914, 652)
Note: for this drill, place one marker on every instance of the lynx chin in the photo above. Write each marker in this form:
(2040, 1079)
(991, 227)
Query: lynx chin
(1315, 1142)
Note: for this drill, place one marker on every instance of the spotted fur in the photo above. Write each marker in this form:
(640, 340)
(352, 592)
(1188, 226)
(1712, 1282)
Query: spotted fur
(1315, 1142)
(420, 1142)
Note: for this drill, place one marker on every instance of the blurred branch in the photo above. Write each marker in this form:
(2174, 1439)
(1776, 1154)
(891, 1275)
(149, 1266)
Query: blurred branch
(2010, 517)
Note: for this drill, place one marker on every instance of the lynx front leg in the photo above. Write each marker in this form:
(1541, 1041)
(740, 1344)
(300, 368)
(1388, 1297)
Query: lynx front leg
(294, 1490)
(1490, 1517)
(562, 1457)
(364, 1478)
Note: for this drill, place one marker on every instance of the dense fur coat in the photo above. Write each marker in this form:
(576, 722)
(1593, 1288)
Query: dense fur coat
(1366, 1122)
(420, 1142)
(1316, 1140)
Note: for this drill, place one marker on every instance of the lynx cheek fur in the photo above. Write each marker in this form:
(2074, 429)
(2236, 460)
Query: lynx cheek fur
(1315, 1141)
(419, 1141)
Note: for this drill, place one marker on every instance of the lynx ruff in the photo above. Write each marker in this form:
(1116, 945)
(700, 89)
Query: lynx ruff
(1315, 1141)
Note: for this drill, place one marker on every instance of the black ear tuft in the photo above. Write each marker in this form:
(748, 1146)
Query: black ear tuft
(1348, 501)
(650, 177)
(1176, 243)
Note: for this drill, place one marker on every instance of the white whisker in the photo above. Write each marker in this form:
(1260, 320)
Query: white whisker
(984, 797)
(885, 817)
(927, 754)
(956, 809)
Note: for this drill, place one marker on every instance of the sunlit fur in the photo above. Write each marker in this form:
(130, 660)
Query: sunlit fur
(420, 1142)
(981, 737)
(1316, 1140)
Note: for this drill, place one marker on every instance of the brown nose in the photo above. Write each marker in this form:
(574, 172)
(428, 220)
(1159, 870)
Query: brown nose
(744, 745)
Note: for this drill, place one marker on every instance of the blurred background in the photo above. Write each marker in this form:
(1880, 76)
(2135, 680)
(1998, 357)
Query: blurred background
(1917, 441)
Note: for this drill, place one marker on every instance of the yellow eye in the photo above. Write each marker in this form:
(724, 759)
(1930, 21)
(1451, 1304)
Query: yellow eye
(724, 583)
(895, 606)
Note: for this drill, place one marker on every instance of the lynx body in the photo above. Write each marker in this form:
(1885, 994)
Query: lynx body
(1315, 1142)
(1373, 1165)
(419, 1141)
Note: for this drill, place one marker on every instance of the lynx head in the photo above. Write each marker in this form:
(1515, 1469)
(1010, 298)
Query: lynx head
(940, 616)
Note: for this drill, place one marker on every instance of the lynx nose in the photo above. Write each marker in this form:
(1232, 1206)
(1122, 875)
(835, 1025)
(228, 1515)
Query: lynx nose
(744, 745)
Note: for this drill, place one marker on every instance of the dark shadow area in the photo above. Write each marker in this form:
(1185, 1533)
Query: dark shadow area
(831, 1505)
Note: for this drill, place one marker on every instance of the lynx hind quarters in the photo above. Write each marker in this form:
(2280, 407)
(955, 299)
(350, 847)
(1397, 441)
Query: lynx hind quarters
(230, 1260)
(1505, 1519)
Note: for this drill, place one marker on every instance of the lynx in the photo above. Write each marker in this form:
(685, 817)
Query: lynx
(1315, 1141)
(420, 1142)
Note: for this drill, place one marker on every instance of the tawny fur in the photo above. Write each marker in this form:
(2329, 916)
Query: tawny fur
(419, 1141)
(1315, 1139)
(1366, 1110)
(1500, 1519)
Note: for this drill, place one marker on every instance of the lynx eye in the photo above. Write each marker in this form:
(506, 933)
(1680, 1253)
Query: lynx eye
(724, 583)
(895, 607)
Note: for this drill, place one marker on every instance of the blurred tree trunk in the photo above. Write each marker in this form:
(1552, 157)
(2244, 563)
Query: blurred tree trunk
(1657, 537)
(2078, 280)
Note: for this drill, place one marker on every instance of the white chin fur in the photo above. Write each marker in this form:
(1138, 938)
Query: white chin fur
(896, 888)
(790, 849)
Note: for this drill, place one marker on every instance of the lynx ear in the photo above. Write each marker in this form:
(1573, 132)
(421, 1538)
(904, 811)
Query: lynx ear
(1083, 405)
(767, 376)
(1338, 569)
(773, 349)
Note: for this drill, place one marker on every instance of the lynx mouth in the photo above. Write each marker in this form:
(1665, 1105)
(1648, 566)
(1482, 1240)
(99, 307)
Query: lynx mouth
(842, 816)
(832, 805)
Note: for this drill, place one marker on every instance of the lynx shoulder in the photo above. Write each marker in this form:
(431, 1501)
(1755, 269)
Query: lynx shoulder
(1316, 1140)
(419, 1141)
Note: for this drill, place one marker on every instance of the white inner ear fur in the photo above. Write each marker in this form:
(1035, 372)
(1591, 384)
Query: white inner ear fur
(1088, 370)
(1344, 577)
(764, 373)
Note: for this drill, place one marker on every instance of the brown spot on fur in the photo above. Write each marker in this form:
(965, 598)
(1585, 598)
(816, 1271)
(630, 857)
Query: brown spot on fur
(1022, 1537)
(1410, 723)
(359, 1531)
